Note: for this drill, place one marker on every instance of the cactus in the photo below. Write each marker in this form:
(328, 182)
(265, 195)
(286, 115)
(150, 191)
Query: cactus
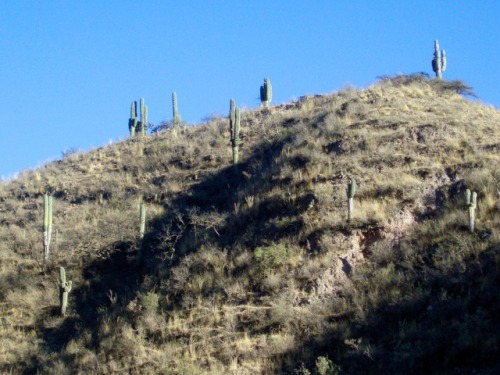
(351, 191)
(47, 225)
(65, 288)
(234, 129)
(471, 201)
(143, 124)
(266, 93)
(134, 125)
(439, 60)
(132, 121)
(176, 116)
(142, 215)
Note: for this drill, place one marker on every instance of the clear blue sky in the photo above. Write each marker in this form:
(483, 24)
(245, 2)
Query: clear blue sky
(69, 69)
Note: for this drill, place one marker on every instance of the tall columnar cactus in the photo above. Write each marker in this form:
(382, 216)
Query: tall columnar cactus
(266, 92)
(47, 225)
(471, 201)
(142, 226)
(175, 112)
(439, 60)
(351, 191)
(65, 288)
(143, 124)
(234, 129)
(132, 121)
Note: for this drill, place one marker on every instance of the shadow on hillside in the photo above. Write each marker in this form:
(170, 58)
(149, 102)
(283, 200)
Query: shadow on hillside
(118, 275)
(447, 324)
(219, 209)
(121, 272)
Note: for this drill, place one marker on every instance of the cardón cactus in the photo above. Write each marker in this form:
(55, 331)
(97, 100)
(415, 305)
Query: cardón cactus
(65, 288)
(471, 201)
(144, 118)
(134, 125)
(234, 129)
(176, 116)
(266, 93)
(47, 225)
(351, 191)
(142, 215)
(439, 60)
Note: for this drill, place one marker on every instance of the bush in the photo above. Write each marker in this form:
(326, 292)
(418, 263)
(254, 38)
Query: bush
(440, 85)
(149, 302)
(404, 79)
(326, 367)
(270, 257)
(459, 87)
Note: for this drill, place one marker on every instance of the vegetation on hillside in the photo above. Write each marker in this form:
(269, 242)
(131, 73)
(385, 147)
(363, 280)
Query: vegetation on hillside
(255, 269)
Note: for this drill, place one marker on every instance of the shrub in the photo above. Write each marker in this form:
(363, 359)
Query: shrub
(149, 302)
(459, 87)
(270, 257)
(439, 85)
(324, 366)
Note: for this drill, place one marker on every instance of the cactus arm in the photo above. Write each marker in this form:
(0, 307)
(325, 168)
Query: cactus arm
(352, 189)
(132, 122)
(269, 88)
(133, 109)
(236, 136)
(62, 275)
(144, 117)
(145, 123)
(231, 117)
(474, 200)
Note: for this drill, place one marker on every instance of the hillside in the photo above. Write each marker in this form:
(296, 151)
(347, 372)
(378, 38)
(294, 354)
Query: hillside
(254, 268)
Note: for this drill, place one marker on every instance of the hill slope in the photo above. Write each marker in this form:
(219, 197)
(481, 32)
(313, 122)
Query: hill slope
(255, 269)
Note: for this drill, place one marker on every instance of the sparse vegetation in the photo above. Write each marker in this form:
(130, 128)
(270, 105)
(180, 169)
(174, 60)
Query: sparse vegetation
(254, 270)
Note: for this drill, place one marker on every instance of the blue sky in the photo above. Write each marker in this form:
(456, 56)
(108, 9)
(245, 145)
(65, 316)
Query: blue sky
(69, 69)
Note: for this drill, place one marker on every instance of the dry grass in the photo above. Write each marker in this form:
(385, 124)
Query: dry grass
(255, 269)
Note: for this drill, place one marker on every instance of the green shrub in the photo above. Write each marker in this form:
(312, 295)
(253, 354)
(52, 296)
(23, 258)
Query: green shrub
(270, 257)
(149, 302)
(324, 366)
